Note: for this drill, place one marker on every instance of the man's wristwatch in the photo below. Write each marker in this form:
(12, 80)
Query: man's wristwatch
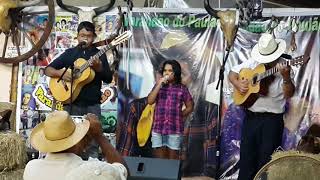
(286, 81)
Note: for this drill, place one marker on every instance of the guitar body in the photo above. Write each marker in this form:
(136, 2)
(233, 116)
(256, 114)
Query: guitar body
(248, 99)
(61, 90)
(259, 80)
(82, 74)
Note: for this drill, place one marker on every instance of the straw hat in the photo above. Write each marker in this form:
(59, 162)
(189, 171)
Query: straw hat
(268, 49)
(174, 45)
(58, 132)
(174, 38)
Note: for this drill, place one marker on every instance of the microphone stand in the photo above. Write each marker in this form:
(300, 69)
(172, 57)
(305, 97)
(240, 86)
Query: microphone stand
(221, 78)
(71, 67)
(218, 135)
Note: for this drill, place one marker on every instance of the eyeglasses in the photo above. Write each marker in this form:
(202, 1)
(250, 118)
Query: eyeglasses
(85, 35)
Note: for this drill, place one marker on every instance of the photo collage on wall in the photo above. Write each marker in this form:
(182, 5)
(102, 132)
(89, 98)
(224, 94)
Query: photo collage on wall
(66, 31)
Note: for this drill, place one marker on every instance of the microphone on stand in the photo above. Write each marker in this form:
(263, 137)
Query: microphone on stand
(82, 44)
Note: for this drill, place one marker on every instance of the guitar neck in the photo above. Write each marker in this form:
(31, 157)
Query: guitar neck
(103, 50)
(272, 71)
(100, 53)
(121, 38)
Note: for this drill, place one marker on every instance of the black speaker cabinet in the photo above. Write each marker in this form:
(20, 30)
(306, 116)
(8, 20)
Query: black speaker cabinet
(153, 168)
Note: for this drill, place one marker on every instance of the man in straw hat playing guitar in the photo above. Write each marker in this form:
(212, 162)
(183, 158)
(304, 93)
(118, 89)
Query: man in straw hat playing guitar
(64, 141)
(263, 125)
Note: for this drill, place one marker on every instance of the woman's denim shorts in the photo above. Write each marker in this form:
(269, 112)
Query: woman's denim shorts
(172, 141)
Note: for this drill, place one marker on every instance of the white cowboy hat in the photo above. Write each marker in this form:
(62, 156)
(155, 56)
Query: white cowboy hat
(268, 49)
(58, 132)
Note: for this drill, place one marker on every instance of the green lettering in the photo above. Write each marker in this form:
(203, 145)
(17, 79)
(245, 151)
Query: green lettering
(133, 21)
(204, 22)
(160, 21)
(197, 24)
(166, 22)
(191, 20)
(301, 25)
(138, 22)
(310, 24)
(213, 22)
(154, 22)
(314, 26)
(181, 22)
(175, 22)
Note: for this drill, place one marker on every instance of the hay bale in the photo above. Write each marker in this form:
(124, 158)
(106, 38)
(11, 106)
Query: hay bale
(13, 152)
(12, 175)
(6, 105)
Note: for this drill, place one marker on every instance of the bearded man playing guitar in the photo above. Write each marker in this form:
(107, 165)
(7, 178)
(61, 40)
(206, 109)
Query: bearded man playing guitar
(88, 98)
(263, 125)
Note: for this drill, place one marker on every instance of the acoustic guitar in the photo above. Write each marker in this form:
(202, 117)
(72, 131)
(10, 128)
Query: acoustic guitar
(257, 81)
(82, 74)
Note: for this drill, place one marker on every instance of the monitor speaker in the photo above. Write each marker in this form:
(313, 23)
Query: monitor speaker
(153, 168)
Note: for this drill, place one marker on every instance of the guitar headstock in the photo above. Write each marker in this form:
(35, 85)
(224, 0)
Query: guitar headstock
(300, 60)
(121, 38)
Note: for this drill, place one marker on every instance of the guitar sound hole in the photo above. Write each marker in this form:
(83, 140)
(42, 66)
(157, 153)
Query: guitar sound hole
(254, 80)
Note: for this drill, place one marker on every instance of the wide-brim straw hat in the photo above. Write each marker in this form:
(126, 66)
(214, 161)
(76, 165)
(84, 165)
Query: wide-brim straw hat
(58, 132)
(175, 45)
(268, 49)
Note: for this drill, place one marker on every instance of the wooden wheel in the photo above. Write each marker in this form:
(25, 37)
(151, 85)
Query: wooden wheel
(16, 36)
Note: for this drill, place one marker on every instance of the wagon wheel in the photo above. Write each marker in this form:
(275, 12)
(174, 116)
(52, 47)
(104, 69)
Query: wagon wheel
(19, 35)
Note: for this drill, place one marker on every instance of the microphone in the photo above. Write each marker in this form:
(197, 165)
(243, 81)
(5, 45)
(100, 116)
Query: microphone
(82, 44)
(166, 77)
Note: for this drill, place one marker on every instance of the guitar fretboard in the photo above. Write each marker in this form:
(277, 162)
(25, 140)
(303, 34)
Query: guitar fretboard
(296, 61)
(100, 53)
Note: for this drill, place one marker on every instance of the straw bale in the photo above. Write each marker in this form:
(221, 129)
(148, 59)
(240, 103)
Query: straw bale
(13, 152)
(12, 175)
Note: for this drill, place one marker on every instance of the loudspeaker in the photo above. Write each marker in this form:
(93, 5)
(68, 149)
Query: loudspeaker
(153, 168)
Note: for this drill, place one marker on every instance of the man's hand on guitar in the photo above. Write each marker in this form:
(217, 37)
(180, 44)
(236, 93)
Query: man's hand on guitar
(284, 70)
(96, 65)
(66, 76)
(242, 86)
